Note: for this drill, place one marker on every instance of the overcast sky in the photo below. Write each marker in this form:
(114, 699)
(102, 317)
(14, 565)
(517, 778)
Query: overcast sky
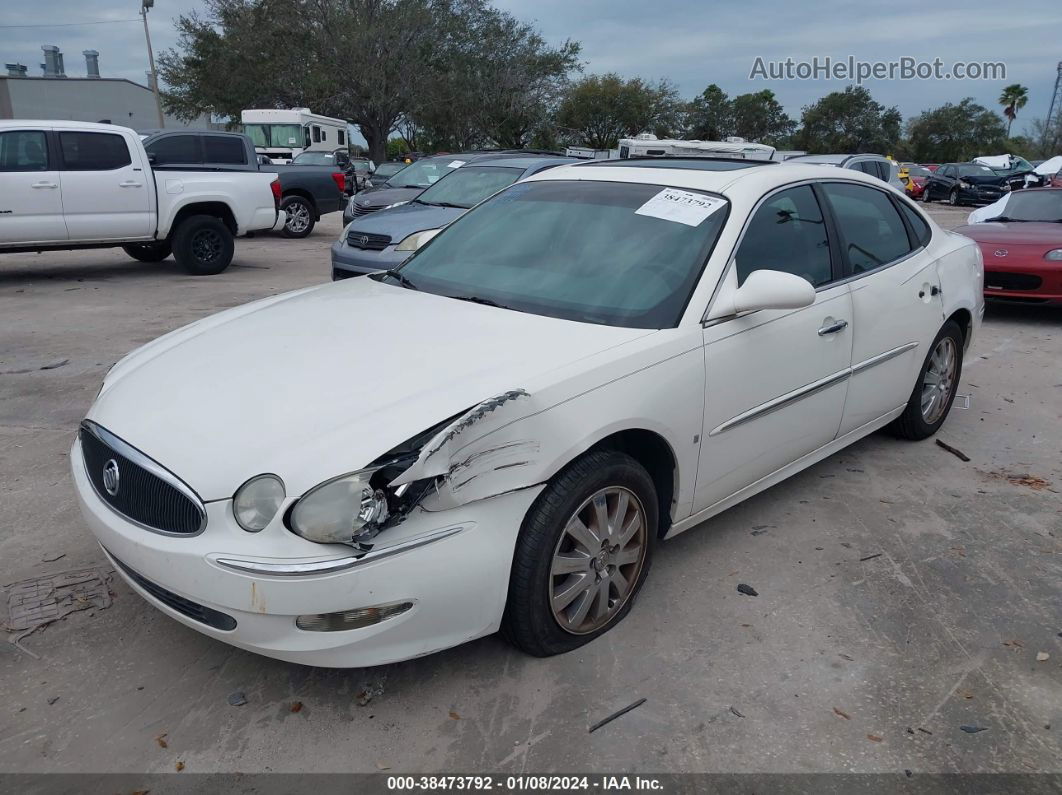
(692, 43)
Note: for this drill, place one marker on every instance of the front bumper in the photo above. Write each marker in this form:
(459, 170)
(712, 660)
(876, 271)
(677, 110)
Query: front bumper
(1021, 280)
(457, 583)
(348, 261)
(978, 195)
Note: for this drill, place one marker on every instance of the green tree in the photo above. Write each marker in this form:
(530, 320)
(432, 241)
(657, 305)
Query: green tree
(709, 116)
(598, 110)
(1013, 98)
(955, 133)
(849, 121)
(759, 117)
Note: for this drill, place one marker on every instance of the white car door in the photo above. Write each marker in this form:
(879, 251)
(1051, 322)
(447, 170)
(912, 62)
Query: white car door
(895, 297)
(107, 194)
(776, 380)
(31, 202)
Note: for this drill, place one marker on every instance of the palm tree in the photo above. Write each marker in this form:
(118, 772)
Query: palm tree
(1013, 99)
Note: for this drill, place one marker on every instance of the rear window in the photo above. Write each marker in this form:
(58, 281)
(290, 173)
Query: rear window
(23, 150)
(871, 230)
(175, 150)
(225, 150)
(91, 151)
(918, 225)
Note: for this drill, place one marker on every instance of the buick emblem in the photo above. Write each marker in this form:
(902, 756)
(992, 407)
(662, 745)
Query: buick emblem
(111, 477)
(1000, 252)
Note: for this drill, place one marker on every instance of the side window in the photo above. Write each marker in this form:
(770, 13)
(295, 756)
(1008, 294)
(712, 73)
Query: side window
(23, 150)
(872, 233)
(918, 225)
(316, 134)
(175, 150)
(787, 233)
(342, 137)
(945, 171)
(223, 149)
(92, 151)
(883, 169)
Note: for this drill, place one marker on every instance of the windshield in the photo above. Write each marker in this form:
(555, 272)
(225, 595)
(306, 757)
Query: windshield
(596, 252)
(314, 159)
(389, 169)
(424, 173)
(975, 171)
(470, 185)
(1033, 205)
(280, 135)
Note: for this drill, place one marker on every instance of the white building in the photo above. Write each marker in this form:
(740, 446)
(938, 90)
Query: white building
(56, 95)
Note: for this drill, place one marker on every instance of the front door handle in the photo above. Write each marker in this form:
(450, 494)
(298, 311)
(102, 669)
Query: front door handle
(833, 328)
(45, 185)
(129, 183)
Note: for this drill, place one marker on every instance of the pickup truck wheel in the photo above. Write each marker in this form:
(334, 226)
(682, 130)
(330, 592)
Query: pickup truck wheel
(148, 252)
(203, 245)
(301, 216)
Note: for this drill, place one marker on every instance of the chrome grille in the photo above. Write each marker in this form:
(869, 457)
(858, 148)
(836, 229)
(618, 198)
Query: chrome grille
(368, 241)
(137, 487)
(357, 210)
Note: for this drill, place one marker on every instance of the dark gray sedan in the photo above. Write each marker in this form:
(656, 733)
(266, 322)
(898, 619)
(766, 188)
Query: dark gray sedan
(385, 239)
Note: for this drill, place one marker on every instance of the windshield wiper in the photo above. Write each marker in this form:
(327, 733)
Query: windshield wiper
(446, 204)
(475, 299)
(398, 277)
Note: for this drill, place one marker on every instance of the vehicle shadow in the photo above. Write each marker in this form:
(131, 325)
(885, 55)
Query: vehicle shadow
(1007, 313)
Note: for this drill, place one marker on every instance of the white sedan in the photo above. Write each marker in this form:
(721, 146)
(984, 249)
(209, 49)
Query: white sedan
(496, 435)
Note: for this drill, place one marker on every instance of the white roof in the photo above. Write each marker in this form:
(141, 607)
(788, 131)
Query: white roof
(60, 124)
(742, 182)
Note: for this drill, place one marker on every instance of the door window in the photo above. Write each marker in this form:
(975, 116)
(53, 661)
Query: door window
(918, 226)
(23, 150)
(342, 137)
(173, 150)
(787, 233)
(872, 233)
(224, 150)
(91, 151)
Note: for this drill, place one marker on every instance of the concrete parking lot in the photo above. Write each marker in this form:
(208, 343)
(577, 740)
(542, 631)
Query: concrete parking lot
(903, 592)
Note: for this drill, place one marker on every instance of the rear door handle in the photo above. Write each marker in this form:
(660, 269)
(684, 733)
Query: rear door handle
(129, 183)
(833, 328)
(45, 185)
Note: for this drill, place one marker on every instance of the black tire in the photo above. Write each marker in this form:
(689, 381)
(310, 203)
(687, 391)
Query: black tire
(302, 217)
(926, 198)
(203, 245)
(912, 424)
(953, 197)
(529, 622)
(148, 252)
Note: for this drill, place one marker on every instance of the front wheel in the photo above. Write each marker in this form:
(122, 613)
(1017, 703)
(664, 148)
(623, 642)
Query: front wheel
(934, 391)
(583, 552)
(203, 245)
(926, 198)
(301, 218)
(953, 197)
(148, 252)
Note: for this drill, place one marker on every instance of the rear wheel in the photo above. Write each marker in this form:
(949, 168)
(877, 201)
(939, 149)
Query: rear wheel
(934, 391)
(301, 217)
(583, 553)
(148, 252)
(203, 245)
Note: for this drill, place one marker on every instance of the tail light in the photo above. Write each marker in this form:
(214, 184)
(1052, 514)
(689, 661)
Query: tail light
(275, 187)
(341, 181)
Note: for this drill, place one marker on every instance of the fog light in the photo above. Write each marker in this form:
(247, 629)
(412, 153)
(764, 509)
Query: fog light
(351, 619)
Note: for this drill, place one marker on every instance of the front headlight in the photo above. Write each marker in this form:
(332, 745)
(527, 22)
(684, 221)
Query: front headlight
(337, 510)
(964, 184)
(416, 240)
(257, 502)
(1054, 255)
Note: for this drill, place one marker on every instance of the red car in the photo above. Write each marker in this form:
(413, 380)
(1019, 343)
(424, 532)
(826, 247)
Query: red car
(930, 166)
(915, 183)
(1022, 247)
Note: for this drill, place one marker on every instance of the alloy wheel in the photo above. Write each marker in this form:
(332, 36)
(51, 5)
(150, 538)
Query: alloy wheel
(206, 245)
(598, 560)
(298, 217)
(939, 380)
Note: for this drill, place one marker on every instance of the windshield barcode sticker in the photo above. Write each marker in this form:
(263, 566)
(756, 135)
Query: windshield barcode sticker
(680, 206)
(455, 164)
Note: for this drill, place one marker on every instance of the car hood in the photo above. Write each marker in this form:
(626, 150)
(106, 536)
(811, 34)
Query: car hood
(1021, 232)
(984, 180)
(320, 382)
(399, 222)
(382, 197)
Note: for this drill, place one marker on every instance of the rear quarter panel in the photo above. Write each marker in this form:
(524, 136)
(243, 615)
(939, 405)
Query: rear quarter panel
(962, 277)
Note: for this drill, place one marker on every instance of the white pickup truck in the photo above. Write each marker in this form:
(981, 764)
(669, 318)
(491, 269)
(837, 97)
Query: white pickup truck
(73, 185)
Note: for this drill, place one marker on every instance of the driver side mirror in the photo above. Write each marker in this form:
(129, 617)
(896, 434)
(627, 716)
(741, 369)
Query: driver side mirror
(767, 289)
(152, 158)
